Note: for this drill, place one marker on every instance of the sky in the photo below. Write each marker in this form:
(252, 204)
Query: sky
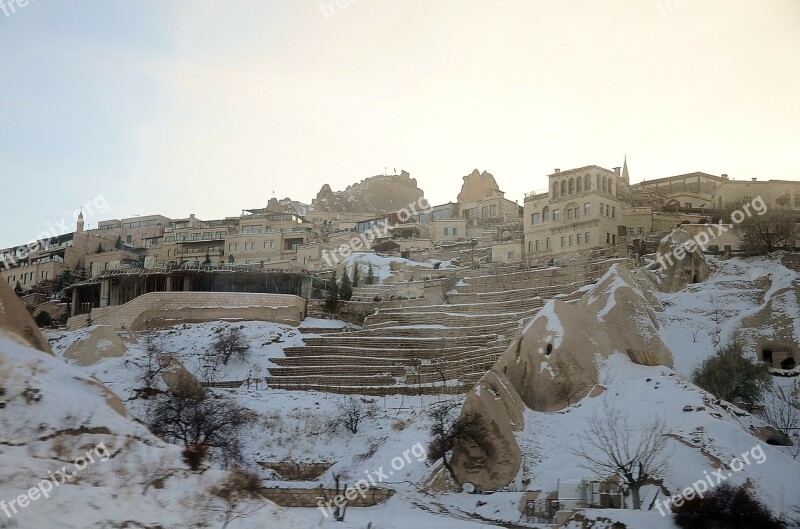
(208, 107)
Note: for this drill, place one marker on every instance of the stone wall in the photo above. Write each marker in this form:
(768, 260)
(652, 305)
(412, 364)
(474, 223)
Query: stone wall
(297, 471)
(163, 309)
(302, 497)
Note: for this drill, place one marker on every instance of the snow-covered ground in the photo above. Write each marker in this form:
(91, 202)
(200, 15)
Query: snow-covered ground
(296, 426)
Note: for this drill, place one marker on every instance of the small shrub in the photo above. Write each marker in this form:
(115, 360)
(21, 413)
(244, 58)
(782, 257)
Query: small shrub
(194, 455)
(31, 395)
(43, 319)
(732, 377)
(725, 507)
(399, 425)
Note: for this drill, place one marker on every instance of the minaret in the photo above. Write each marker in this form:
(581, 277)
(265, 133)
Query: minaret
(625, 177)
(80, 222)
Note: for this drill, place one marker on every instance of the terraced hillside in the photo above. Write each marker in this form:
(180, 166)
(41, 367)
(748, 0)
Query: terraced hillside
(430, 349)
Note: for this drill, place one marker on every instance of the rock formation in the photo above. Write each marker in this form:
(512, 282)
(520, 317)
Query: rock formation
(553, 363)
(377, 194)
(17, 323)
(680, 262)
(477, 186)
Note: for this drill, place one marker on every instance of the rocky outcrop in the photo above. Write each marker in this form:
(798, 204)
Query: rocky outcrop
(682, 263)
(16, 321)
(552, 363)
(477, 186)
(377, 194)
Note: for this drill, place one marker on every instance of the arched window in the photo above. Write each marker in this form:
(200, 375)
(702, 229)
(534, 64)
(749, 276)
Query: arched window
(538, 245)
(546, 214)
(587, 185)
(563, 187)
(571, 186)
(605, 185)
(578, 184)
(555, 189)
(597, 181)
(611, 186)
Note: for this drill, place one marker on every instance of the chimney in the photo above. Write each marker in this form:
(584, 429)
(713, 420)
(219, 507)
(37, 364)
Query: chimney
(754, 179)
(191, 215)
(724, 176)
(557, 170)
(617, 170)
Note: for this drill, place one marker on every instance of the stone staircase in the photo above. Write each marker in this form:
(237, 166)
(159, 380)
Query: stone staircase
(431, 349)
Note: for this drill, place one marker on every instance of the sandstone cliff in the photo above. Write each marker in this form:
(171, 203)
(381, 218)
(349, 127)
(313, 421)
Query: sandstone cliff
(377, 194)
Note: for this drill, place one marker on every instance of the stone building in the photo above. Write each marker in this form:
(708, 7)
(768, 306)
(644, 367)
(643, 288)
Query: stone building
(581, 211)
(777, 194)
(139, 232)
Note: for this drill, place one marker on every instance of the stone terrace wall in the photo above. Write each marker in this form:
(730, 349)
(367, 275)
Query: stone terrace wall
(301, 497)
(159, 309)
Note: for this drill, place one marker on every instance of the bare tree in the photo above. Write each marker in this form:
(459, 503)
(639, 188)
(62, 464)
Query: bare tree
(201, 421)
(612, 446)
(762, 234)
(782, 412)
(232, 344)
(152, 469)
(695, 328)
(352, 412)
(449, 431)
(155, 362)
(731, 376)
(237, 496)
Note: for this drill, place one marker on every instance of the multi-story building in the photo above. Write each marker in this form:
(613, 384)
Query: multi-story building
(777, 194)
(47, 260)
(139, 232)
(691, 190)
(190, 240)
(581, 211)
(264, 237)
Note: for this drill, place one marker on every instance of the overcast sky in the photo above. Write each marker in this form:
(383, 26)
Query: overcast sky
(209, 107)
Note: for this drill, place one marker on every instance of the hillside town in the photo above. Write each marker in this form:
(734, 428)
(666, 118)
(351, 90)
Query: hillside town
(392, 265)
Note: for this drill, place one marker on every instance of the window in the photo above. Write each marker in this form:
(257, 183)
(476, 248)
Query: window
(579, 239)
(538, 245)
(586, 237)
(455, 231)
(579, 184)
(587, 183)
(687, 204)
(608, 238)
(563, 187)
(556, 215)
(563, 241)
(587, 208)
(640, 230)
(548, 244)
(571, 186)
(546, 214)
(447, 231)
(534, 218)
(630, 231)
(570, 213)
(797, 200)
(510, 256)
(613, 239)
(530, 246)
(571, 238)
(577, 212)
(613, 212)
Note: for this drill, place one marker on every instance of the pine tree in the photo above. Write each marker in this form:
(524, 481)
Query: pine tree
(346, 287)
(99, 248)
(356, 276)
(370, 275)
(118, 243)
(207, 261)
(332, 297)
(18, 289)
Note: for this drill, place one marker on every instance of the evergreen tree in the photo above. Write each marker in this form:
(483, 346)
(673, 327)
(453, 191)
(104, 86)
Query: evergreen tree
(18, 289)
(356, 276)
(118, 243)
(370, 275)
(346, 287)
(207, 261)
(332, 297)
(99, 248)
